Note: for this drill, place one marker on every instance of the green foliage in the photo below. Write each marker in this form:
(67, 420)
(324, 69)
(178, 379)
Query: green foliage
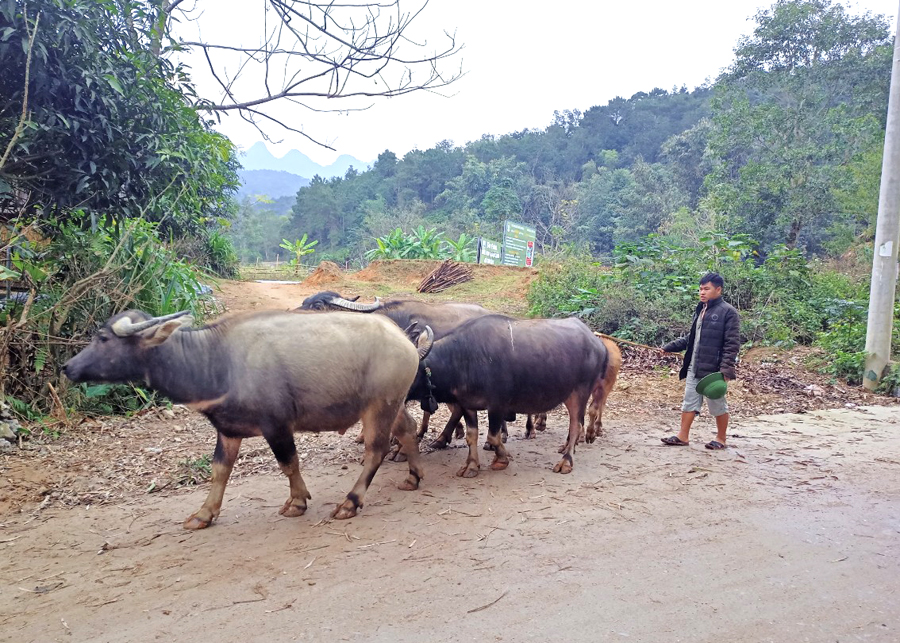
(843, 342)
(299, 248)
(784, 147)
(649, 293)
(805, 95)
(463, 249)
(111, 399)
(110, 130)
(419, 244)
(222, 257)
(422, 243)
(395, 245)
(79, 279)
(426, 244)
(257, 228)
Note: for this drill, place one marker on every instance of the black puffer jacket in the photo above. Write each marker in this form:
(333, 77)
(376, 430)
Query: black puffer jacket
(720, 340)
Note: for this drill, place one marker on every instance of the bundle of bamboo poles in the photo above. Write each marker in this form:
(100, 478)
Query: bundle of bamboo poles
(449, 273)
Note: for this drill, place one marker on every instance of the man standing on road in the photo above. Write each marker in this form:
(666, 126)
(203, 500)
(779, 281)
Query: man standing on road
(712, 346)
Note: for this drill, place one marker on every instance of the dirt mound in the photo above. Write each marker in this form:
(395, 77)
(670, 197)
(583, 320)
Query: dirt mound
(327, 272)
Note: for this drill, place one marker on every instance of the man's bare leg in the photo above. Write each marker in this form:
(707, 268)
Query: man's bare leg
(687, 419)
(721, 427)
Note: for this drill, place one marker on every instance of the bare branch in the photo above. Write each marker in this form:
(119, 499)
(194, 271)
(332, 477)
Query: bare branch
(248, 115)
(322, 51)
(172, 6)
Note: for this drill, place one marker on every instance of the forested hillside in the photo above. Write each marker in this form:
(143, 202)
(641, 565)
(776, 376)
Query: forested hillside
(784, 146)
(269, 183)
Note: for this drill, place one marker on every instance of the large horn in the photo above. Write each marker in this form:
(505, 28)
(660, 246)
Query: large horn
(340, 302)
(411, 332)
(425, 348)
(125, 327)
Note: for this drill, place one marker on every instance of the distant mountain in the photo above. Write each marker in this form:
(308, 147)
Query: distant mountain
(270, 183)
(258, 157)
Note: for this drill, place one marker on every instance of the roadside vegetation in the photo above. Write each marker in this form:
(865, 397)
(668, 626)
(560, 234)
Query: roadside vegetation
(116, 192)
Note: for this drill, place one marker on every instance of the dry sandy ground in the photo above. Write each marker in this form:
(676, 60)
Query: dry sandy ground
(792, 534)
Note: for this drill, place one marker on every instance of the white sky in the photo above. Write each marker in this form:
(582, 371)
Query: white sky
(523, 60)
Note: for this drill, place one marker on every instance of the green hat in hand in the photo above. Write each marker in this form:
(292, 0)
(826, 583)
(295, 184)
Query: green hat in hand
(713, 386)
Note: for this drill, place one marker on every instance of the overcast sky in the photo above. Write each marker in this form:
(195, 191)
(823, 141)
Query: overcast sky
(522, 60)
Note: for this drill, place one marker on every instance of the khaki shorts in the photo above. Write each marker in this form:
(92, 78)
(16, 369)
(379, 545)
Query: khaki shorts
(693, 401)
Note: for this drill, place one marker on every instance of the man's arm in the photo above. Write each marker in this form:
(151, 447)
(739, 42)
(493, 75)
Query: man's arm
(731, 345)
(677, 346)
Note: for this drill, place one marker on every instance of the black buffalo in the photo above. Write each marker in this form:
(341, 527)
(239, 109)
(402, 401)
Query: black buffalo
(506, 366)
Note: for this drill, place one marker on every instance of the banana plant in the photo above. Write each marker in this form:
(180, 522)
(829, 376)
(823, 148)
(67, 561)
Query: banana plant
(299, 248)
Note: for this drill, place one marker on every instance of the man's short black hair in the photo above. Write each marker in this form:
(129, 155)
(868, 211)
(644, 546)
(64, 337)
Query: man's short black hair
(713, 278)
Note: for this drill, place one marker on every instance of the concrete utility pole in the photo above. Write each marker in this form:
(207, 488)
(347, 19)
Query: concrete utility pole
(887, 236)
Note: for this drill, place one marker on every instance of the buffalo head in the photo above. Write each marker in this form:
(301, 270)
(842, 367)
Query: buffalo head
(116, 350)
(330, 300)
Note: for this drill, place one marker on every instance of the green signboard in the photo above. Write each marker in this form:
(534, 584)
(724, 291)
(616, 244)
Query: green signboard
(518, 244)
(489, 252)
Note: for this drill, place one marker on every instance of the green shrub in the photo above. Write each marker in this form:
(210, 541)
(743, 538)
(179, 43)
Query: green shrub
(650, 291)
(222, 258)
(77, 279)
(422, 243)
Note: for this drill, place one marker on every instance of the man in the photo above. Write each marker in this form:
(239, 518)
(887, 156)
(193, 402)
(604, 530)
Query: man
(712, 346)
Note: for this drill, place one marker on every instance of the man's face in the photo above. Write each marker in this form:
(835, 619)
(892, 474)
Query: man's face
(708, 292)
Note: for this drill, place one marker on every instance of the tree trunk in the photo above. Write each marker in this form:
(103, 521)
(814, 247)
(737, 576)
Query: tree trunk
(793, 233)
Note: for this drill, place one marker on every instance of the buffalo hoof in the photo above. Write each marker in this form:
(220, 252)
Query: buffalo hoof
(439, 443)
(360, 438)
(540, 423)
(410, 484)
(344, 511)
(499, 464)
(563, 466)
(196, 522)
(468, 471)
(291, 510)
(488, 446)
(460, 432)
(591, 436)
(562, 449)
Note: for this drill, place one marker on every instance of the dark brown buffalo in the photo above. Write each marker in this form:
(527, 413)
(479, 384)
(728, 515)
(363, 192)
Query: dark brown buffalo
(269, 374)
(506, 365)
(442, 318)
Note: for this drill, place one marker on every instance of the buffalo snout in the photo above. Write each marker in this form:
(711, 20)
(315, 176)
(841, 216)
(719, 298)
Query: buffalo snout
(71, 370)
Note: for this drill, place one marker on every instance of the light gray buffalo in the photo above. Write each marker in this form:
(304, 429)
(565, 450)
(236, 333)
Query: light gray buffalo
(270, 374)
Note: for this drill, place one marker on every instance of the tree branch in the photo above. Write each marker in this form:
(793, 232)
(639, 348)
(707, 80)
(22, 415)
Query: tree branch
(20, 127)
(356, 52)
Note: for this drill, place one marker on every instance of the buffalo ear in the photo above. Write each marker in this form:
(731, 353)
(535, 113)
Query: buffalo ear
(158, 334)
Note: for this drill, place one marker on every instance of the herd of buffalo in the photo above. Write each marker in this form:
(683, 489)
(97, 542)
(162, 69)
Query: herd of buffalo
(335, 361)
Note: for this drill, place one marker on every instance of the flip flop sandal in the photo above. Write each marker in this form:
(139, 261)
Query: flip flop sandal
(715, 445)
(674, 441)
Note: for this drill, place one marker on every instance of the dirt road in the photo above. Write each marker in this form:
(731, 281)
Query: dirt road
(791, 534)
